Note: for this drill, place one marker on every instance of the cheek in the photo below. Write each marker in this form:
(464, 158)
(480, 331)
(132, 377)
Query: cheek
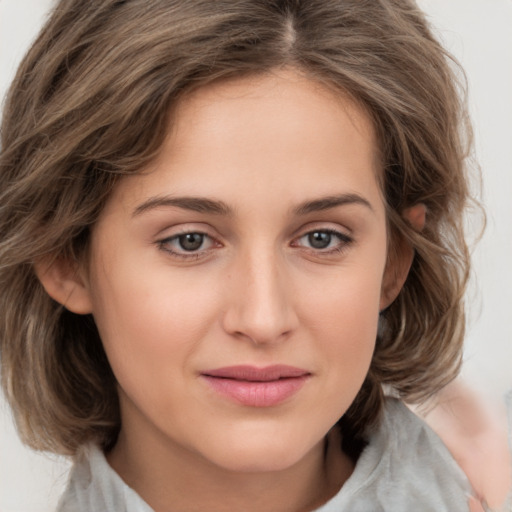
(342, 316)
(346, 301)
(349, 327)
(150, 321)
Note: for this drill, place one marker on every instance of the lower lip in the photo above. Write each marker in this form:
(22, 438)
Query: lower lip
(256, 394)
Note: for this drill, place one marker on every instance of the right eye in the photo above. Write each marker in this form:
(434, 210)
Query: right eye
(186, 245)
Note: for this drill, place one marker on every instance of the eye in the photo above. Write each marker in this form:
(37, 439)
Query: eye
(190, 244)
(324, 240)
(190, 241)
(319, 239)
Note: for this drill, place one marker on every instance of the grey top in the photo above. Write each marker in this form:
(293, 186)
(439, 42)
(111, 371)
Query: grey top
(404, 467)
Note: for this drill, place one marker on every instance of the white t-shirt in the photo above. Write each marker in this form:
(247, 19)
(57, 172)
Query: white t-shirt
(405, 467)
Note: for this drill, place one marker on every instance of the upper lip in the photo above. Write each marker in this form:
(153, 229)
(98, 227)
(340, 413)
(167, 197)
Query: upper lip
(255, 374)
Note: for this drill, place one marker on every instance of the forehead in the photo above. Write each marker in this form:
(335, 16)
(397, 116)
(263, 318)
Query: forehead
(279, 106)
(280, 130)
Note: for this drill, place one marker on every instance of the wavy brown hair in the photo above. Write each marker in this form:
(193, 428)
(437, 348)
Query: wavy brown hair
(91, 103)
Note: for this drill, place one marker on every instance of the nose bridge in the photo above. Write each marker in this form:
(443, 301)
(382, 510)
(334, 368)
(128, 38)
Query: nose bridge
(260, 305)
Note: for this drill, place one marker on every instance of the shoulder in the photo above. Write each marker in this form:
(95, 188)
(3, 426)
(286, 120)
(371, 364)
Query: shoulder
(94, 485)
(404, 467)
(473, 426)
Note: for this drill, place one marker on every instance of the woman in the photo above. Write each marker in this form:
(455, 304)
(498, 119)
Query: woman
(245, 108)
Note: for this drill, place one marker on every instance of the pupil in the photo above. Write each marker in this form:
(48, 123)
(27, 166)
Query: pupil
(191, 241)
(319, 239)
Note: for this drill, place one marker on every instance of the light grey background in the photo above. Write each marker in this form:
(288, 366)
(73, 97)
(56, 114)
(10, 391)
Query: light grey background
(479, 33)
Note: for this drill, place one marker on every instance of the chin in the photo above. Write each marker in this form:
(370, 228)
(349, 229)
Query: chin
(249, 456)
(258, 463)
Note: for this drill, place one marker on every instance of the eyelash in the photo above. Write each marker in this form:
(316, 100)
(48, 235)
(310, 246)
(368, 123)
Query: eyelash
(343, 242)
(186, 255)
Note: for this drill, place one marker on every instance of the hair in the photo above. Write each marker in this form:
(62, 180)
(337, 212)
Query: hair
(92, 102)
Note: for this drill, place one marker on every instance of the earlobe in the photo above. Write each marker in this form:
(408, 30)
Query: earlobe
(395, 275)
(62, 282)
(400, 260)
(416, 216)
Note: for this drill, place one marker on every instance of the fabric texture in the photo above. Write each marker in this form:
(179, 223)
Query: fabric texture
(404, 467)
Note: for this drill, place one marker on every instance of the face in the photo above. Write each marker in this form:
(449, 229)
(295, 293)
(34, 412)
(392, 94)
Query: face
(236, 282)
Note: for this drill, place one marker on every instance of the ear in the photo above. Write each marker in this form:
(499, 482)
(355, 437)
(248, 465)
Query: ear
(400, 259)
(62, 281)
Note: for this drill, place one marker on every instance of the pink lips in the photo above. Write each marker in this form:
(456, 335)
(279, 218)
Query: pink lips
(256, 387)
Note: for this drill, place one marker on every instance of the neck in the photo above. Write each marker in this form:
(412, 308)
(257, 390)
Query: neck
(169, 476)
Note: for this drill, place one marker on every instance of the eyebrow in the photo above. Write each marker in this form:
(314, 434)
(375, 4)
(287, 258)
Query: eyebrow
(328, 202)
(204, 205)
(195, 204)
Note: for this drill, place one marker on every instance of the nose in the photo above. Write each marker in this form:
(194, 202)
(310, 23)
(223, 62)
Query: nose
(260, 299)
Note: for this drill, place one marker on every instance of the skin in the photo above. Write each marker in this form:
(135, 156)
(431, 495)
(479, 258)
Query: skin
(474, 430)
(268, 150)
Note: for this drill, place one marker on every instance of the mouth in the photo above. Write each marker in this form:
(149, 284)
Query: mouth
(257, 387)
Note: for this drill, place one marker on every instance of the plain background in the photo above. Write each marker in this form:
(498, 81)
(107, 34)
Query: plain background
(479, 33)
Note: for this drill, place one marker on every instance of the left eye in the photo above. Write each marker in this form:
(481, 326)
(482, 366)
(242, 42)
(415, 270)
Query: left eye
(323, 239)
(187, 243)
